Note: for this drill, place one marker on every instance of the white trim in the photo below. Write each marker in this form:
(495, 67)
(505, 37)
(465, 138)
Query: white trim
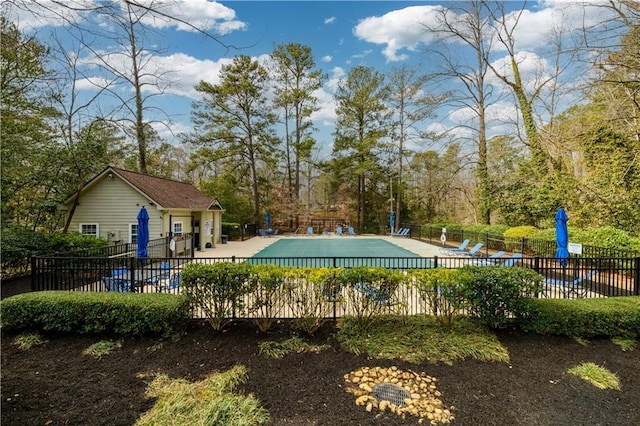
(97, 225)
(131, 233)
(181, 228)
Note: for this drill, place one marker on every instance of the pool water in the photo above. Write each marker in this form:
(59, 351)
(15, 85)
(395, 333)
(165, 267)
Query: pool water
(318, 252)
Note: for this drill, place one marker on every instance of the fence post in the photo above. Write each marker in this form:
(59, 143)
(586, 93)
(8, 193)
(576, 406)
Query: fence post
(636, 276)
(435, 261)
(486, 243)
(33, 273)
(132, 275)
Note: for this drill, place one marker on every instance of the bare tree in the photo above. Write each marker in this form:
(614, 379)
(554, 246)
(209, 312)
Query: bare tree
(132, 64)
(467, 25)
(411, 105)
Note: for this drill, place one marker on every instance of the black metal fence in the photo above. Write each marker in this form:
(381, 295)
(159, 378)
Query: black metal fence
(83, 270)
(527, 246)
(582, 277)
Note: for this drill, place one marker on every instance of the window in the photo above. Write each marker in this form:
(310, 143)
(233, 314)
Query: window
(133, 233)
(177, 228)
(89, 229)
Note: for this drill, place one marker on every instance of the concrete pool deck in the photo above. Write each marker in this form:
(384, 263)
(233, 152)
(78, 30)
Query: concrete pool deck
(252, 246)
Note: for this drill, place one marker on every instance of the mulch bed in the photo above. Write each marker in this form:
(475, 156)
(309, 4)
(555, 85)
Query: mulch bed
(54, 384)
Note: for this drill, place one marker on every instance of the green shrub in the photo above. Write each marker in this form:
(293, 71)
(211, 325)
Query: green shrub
(311, 294)
(602, 317)
(486, 229)
(439, 289)
(605, 237)
(218, 290)
(73, 241)
(513, 237)
(494, 294)
(19, 244)
(268, 294)
(371, 292)
(128, 314)
(232, 229)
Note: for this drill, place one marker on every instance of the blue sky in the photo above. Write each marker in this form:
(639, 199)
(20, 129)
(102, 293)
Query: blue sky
(341, 34)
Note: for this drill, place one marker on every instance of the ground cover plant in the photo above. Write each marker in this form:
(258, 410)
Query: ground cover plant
(53, 383)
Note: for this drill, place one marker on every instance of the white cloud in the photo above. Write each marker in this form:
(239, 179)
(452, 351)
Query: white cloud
(202, 14)
(326, 115)
(533, 70)
(46, 12)
(399, 29)
(171, 131)
(535, 27)
(187, 71)
(327, 58)
(330, 20)
(181, 15)
(92, 83)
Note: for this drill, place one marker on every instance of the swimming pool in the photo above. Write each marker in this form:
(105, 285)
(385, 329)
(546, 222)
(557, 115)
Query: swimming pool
(336, 252)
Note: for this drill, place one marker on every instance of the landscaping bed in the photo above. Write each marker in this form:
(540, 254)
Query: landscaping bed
(56, 384)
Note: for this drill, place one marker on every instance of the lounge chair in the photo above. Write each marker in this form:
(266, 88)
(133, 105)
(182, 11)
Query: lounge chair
(491, 260)
(510, 262)
(293, 233)
(381, 296)
(453, 251)
(475, 249)
(570, 286)
(164, 271)
(339, 231)
(351, 231)
(310, 230)
(404, 232)
(262, 232)
(118, 284)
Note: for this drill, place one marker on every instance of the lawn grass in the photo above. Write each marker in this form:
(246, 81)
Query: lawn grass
(421, 338)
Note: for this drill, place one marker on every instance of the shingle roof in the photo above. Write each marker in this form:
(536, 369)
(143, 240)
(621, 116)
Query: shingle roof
(167, 193)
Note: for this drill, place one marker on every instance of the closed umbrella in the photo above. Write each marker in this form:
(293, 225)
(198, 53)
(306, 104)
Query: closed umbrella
(392, 220)
(143, 232)
(268, 220)
(562, 237)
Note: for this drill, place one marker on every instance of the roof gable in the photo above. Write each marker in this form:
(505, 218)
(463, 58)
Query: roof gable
(167, 193)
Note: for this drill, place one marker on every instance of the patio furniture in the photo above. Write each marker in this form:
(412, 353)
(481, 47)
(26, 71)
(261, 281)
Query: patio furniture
(164, 271)
(174, 282)
(453, 251)
(118, 284)
(570, 286)
(472, 252)
(404, 232)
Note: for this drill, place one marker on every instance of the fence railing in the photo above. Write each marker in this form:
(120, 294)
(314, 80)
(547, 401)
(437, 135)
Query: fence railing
(83, 270)
(582, 277)
(527, 246)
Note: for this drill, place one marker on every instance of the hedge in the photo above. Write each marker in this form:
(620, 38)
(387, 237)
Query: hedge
(127, 314)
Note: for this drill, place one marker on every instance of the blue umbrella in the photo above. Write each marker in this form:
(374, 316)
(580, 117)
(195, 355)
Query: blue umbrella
(392, 219)
(562, 237)
(143, 232)
(268, 220)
